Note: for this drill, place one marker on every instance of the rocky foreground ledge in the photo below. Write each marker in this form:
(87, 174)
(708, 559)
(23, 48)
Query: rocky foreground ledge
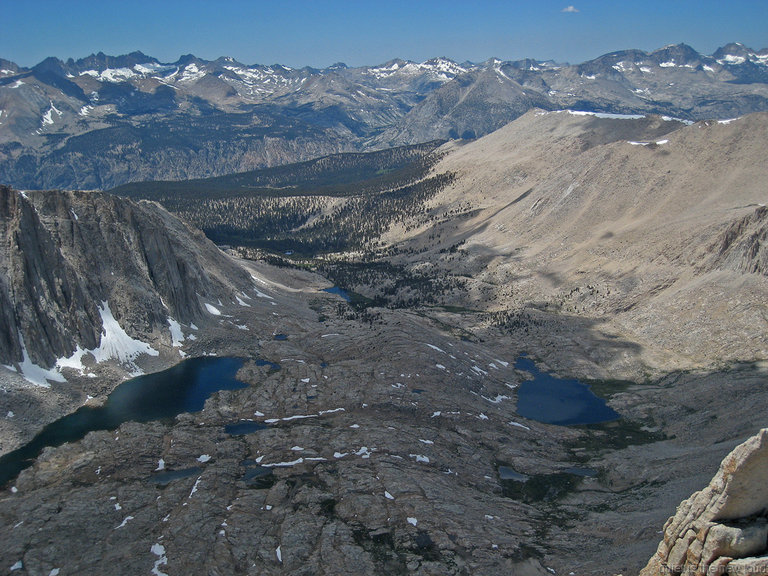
(722, 529)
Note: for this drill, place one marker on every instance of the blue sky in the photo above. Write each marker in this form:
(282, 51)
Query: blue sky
(319, 33)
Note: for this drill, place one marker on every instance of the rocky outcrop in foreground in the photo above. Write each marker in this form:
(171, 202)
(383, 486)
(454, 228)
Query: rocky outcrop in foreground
(722, 529)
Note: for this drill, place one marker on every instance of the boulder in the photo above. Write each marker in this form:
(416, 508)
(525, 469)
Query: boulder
(724, 525)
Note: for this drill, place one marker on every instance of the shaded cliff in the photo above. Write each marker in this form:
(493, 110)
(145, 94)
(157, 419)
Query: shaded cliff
(72, 261)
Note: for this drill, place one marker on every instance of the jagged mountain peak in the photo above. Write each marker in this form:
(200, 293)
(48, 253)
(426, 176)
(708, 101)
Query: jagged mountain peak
(493, 61)
(7, 67)
(533, 65)
(446, 66)
(389, 67)
(606, 64)
(679, 54)
(681, 48)
(187, 59)
(736, 53)
(51, 65)
(441, 68)
(619, 55)
(734, 48)
(103, 61)
(94, 64)
(225, 61)
(440, 60)
(328, 110)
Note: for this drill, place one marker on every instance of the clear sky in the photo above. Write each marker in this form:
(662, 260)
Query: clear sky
(321, 32)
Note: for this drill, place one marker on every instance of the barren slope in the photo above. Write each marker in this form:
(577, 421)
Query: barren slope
(652, 227)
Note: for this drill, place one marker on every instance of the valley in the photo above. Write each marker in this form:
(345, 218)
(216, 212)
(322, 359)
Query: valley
(384, 433)
(546, 219)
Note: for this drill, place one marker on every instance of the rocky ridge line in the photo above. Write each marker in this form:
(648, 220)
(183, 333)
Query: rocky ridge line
(104, 121)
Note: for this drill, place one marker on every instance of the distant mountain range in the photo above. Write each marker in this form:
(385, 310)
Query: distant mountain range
(102, 121)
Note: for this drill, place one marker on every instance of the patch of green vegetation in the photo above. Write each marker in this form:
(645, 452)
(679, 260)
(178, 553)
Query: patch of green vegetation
(331, 204)
(526, 551)
(392, 286)
(512, 321)
(541, 487)
(607, 388)
(458, 309)
(381, 547)
(328, 508)
(358, 301)
(614, 435)
(425, 547)
(600, 508)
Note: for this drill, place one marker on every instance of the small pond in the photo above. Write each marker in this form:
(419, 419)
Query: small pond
(338, 291)
(508, 473)
(165, 477)
(256, 475)
(566, 402)
(244, 427)
(159, 396)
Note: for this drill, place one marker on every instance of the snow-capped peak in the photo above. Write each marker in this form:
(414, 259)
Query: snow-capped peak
(440, 68)
(443, 65)
(736, 59)
(735, 54)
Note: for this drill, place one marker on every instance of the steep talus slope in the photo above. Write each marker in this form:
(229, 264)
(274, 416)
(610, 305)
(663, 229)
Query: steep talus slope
(645, 224)
(65, 254)
(744, 245)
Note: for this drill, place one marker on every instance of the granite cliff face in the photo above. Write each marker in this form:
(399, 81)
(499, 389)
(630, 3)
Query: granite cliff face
(722, 529)
(71, 262)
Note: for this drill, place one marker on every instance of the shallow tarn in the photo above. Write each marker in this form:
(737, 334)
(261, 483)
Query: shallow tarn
(339, 292)
(244, 427)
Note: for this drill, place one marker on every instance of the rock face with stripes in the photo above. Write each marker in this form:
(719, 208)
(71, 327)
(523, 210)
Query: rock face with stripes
(64, 254)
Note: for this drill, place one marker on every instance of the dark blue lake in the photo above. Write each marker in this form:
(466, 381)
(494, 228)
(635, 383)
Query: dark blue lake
(338, 291)
(566, 402)
(159, 396)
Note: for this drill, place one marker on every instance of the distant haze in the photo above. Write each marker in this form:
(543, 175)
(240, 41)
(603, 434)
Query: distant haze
(310, 33)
